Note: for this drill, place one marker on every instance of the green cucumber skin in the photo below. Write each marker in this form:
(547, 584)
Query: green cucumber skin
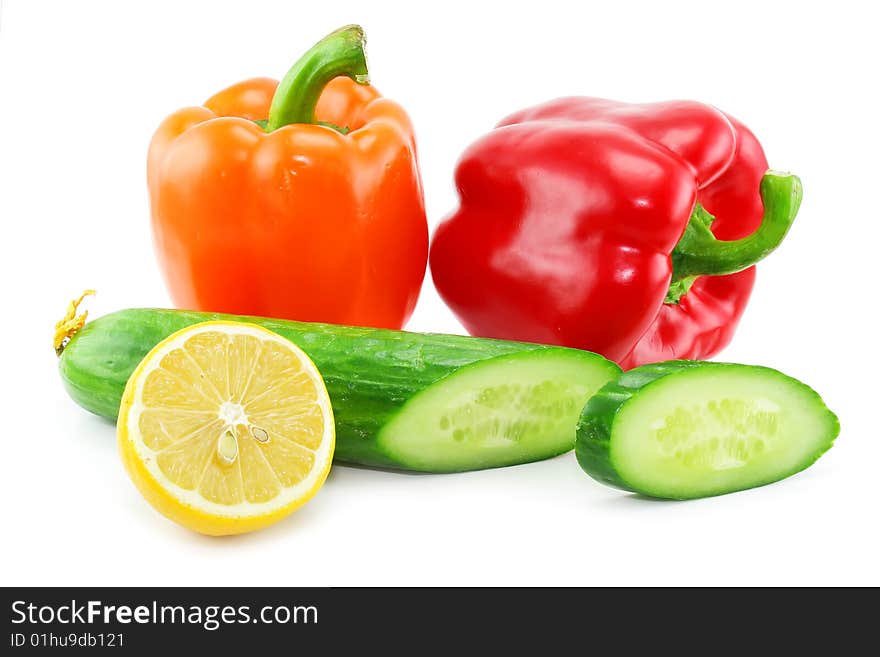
(370, 373)
(594, 430)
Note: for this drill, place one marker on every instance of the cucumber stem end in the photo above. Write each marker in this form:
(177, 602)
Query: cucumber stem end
(70, 324)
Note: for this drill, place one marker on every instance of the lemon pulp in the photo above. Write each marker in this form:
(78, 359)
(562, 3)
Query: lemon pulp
(226, 427)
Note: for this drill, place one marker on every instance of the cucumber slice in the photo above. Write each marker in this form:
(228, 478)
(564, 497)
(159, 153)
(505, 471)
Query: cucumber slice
(504, 410)
(688, 429)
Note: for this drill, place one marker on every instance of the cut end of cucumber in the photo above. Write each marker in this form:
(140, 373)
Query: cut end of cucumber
(681, 432)
(720, 434)
(495, 412)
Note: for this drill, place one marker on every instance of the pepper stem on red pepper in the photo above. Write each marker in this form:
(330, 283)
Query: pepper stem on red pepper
(340, 53)
(700, 253)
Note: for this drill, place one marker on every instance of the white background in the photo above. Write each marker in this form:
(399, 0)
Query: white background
(84, 84)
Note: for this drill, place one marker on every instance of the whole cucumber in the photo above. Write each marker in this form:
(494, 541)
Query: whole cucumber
(445, 415)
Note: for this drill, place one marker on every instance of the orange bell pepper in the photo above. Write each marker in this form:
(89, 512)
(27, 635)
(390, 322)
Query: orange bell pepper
(300, 200)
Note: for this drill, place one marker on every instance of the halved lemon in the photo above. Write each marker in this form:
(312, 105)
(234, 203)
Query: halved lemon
(226, 427)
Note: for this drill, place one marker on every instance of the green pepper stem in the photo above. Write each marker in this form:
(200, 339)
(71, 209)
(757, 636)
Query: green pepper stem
(340, 53)
(700, 253)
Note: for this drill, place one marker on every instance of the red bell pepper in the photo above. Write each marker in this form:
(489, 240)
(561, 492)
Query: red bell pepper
(629, 230)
